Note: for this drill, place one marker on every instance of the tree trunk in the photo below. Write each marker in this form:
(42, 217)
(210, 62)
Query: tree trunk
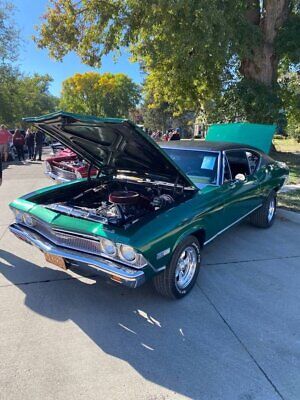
(262, 66)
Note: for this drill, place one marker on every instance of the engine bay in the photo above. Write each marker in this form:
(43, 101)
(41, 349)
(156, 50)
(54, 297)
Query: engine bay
(70, 164)
(119, 203)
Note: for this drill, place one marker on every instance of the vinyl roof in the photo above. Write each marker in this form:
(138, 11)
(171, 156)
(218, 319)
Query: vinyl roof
(205, 145)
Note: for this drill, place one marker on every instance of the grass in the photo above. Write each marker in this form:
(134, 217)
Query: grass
(288, 151)
(289, 200)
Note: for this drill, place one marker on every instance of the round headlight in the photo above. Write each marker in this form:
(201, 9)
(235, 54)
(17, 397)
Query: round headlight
(108, 247)
(128, 253)
(28, 220)
(18, 215)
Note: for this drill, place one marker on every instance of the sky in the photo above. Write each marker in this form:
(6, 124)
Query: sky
(28, 14)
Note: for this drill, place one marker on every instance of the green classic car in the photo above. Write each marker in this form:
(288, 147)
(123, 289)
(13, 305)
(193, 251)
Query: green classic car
(150, 210)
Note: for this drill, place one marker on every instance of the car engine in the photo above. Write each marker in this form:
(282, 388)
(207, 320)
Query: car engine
(115, 205)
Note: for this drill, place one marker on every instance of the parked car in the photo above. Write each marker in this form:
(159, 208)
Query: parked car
(56, 147)
(66, 166)
(152, 210)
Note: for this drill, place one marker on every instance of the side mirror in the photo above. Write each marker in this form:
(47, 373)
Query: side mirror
(240, 177)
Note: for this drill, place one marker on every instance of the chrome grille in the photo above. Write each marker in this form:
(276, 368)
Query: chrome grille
(70, 241)
(62, 173)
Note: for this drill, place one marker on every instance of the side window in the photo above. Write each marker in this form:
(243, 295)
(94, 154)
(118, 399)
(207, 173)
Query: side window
(253, 160)
(227, 172)
(238, 162)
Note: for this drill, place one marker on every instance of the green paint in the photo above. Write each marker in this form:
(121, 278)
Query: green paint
(256, 135)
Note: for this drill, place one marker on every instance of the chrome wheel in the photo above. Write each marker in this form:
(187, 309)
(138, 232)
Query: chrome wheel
(271, 210)
(186, 267)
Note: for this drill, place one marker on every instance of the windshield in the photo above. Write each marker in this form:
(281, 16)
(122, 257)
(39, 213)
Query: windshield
(200, 166)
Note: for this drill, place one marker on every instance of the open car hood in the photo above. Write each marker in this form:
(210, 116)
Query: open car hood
(113, 145)
(256, 135)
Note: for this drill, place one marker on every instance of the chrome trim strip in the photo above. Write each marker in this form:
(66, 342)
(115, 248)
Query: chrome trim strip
(229, 226)
(190, 148)
(85, 236)
(131, 277)
(218, 170)
(224, 162)
(161, 268)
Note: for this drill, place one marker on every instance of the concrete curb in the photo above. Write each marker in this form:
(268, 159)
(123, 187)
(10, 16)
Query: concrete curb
(288, 215)
(289, 188)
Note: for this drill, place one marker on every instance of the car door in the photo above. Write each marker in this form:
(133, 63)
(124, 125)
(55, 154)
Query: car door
(240, 186)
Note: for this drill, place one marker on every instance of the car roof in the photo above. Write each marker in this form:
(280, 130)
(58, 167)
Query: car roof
(196, 144)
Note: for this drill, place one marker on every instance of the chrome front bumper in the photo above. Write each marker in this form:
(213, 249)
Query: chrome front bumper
(116, 272)
(56, 178)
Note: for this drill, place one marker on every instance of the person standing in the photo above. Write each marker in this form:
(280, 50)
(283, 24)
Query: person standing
(38, 144)
(29, 141)
(19, 141)
(175, 134)
(5, 140)
(0, 171)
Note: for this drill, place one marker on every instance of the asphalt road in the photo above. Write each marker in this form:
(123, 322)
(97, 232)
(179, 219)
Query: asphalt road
(235, 337)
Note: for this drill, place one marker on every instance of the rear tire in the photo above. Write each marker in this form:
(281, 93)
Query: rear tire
(181, 275)
(265, 215)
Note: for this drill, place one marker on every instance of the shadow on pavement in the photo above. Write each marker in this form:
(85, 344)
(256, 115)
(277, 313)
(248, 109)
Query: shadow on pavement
(6, 165)
(178, 345)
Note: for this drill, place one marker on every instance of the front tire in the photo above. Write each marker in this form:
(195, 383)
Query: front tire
(265, 215)
(181, 275)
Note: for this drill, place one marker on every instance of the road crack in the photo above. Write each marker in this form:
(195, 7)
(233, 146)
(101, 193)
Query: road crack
(247, 261)
(68, 278)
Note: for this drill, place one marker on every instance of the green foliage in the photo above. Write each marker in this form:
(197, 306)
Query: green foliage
(248, 100)
(20, 95)
(110, 95)
(9, 35)
(23, 95)
(183, 44)
(156, 117)
(290, 89)
(186, 47)
(288, 40)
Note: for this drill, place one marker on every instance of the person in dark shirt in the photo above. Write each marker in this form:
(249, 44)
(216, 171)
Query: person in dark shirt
(175, 135)
(38, 144)
(19, 141)
(29, 140)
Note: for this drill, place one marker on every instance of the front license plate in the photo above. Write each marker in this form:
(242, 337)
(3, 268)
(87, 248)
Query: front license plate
(56, 260)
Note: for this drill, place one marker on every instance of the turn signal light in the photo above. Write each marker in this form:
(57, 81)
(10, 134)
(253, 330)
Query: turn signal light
(116, 278)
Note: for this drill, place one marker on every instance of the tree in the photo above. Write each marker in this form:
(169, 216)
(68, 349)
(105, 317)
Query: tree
(20, 95)
(34, 95)
(110, 95)
(290, 83)
(9, 35)
(156, 117)
(23, 95)
(188, 47)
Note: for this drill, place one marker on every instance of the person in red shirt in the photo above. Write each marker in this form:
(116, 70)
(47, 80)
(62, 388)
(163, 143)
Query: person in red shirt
(0, 171)
(19, 141)
(5, 140)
